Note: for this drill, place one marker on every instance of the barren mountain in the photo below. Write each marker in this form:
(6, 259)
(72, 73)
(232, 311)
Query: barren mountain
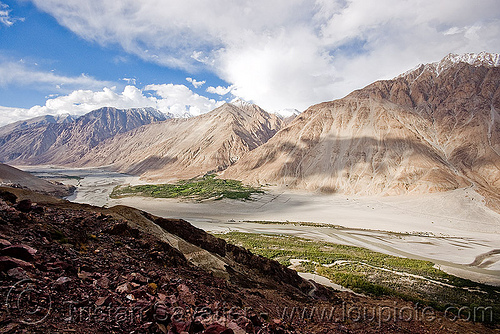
(184, 148)
(35, 122)
(434, 128)
(46, 142)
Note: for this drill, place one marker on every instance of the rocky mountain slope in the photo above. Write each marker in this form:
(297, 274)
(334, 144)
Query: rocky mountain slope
(185, 148)
(67, 267)
(13, 177)
(36, 122)
(64, 142)
(434, 128)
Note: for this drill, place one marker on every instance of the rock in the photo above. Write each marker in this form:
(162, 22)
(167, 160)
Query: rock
(137, 277)
(104, 301)
(62, 283)
(103, 282)
(7, 262)
(235, 328)
(117, 229)
(17, 273)
(10, 328)
(141, 293)
(185, 295)
(181, 326)
(218, 329)
(24, 205)
(196, 327)
(4, 243)
(161, 312)
(23, 252)
(8, 197)
(124, 288)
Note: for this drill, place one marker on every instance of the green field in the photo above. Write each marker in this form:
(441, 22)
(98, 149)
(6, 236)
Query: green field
(372, 273)
(199, 189)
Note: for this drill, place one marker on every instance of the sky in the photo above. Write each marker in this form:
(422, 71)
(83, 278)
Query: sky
(191, 56)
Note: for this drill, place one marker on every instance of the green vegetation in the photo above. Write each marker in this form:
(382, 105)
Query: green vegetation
(368, 272)
(199, 188)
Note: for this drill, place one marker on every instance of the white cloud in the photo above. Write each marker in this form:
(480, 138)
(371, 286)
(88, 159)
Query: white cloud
(10, 115)
(195, 83)
(130, 81)
(179, 100)
(283, 53)
(5, 18)
(219, 90)
(168, 98)
(18, 73)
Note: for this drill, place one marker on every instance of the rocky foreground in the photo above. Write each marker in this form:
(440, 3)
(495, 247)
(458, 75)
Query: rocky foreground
(76, 268)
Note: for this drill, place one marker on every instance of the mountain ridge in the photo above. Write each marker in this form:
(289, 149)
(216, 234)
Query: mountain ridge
(185, 148)
(419, 132)
(58, 143)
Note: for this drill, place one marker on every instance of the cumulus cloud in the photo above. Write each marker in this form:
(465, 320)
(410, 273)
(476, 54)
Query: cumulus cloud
(5, 18)
(219, 90)
(287, 54)
(195, 83)
(178, 100)
(19, 73)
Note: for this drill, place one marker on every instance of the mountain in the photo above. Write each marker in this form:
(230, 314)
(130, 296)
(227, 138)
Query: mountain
(44, 142)
(434, 128)
(185, 148)
(13, 177)
(36, 122)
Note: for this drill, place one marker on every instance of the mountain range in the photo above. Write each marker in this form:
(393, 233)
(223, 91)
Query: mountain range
(45, 141)
(433, 128)
(187, 147)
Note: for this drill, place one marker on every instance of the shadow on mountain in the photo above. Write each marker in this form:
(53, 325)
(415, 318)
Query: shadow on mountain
(150, 164)
(339, 157)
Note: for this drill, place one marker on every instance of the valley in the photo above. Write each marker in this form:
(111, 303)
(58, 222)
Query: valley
(388, 195)
(451, 229)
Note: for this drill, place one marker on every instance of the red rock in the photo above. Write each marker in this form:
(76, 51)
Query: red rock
(7, 262)
(4, 243)
(17, 273)
(218, 329)
(22, 252)
(104, 301)
(24, 205)
(103, 282)
(62, 283)
(185, 295)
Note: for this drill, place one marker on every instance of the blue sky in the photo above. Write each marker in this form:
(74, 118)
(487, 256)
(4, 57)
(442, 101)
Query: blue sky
(59, 56)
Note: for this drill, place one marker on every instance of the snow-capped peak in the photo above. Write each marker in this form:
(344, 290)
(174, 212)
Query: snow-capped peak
(474, 59)
(240, 103)
(284, 113)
